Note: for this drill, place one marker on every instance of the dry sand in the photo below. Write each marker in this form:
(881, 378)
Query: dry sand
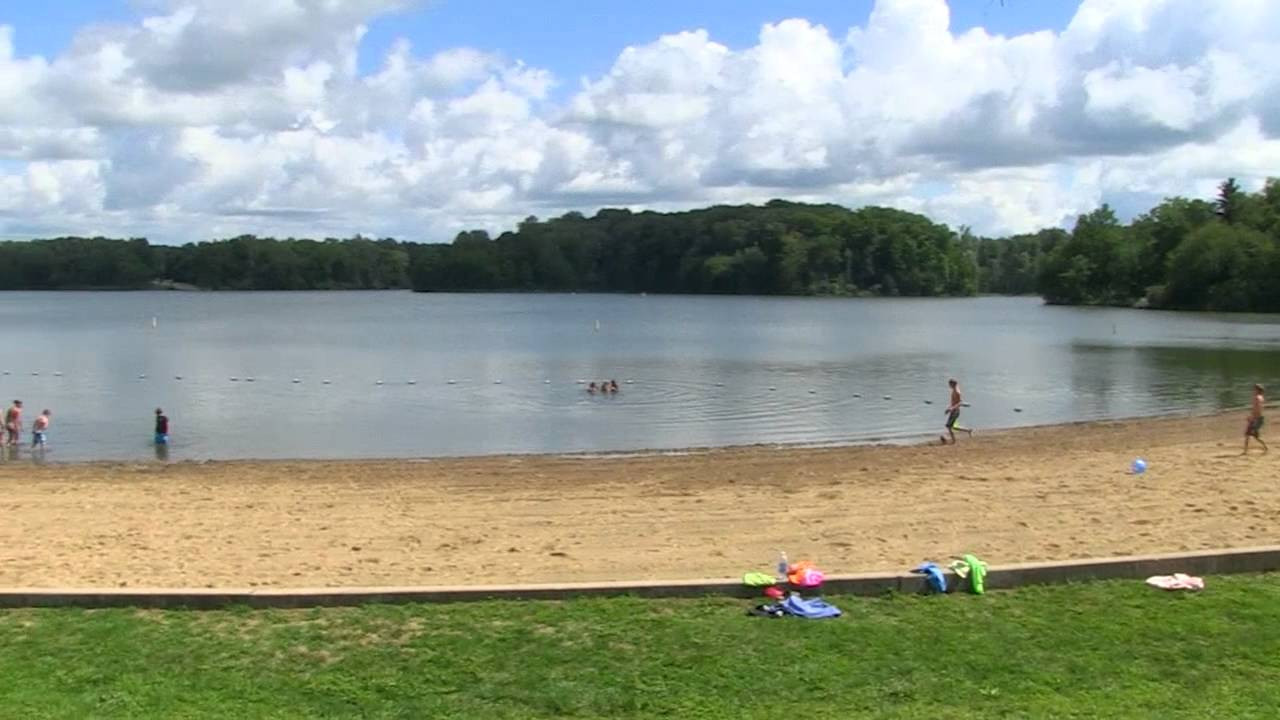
(1038, 494)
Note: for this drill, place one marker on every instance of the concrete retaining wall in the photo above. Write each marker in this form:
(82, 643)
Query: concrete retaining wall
(1221, 562)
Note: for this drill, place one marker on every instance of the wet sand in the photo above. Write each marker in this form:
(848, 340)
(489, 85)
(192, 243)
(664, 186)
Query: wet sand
(1036, 494)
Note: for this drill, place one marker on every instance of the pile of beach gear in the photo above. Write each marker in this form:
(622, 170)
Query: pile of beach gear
(967, 572)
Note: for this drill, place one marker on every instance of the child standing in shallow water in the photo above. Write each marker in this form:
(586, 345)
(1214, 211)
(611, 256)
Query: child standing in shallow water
(39, 430)
(162, 428)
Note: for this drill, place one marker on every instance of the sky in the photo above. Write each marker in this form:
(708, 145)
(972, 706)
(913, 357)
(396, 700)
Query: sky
(184, 120)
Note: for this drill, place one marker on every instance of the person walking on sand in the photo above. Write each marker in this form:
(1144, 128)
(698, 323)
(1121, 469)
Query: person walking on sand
(39, 430)
(162, 428)
(1254, 426)
(953, 413)
(13, 422)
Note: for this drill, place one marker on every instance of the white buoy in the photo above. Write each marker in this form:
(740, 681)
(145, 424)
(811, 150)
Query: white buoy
(857, 395)
(597, 326)
(413, 382)
(177, 377)
(35, 374)
(57, 374)
(772, 388)
(248, 379)
(324, 382)
(813, 392)
(378, 382)
(155, 321)
(296, 381)
(581, 382)
(497, 382)
(234, 379)
(630, 382)
(546, 382)
(888, 397)
(140, 377)
(451, 382)
(719, 384)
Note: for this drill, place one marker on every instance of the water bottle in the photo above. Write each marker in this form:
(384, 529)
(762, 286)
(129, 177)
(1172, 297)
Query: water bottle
(783, 566)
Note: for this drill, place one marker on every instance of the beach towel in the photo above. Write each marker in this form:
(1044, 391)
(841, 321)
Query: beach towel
(972, 569)
(934, 579)
(813, 609)
(758, 579)
(1176, 581)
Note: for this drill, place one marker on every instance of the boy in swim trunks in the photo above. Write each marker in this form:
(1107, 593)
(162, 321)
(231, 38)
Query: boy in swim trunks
(39, 428)
(953, 413)
(13, 422)
(1254, 426)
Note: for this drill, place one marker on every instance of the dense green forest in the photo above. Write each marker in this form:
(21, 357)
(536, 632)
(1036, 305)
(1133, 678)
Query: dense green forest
(780, 248)
(1218, 254)
(242, 263)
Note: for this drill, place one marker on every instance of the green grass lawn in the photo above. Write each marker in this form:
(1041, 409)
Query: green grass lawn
(1113, 649)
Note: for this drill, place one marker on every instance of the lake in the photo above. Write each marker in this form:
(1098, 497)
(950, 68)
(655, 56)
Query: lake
(480, 374)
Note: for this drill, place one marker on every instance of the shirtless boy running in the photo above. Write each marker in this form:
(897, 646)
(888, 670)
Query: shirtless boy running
(953, 413)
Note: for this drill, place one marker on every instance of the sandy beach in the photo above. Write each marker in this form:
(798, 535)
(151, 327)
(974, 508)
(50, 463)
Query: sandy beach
(1022, 495)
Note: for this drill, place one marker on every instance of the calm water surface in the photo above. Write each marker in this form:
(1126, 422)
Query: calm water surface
(695, 371)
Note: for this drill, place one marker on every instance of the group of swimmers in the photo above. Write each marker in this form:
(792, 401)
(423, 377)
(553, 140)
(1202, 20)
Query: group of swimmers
(608, 387)
(13, 427)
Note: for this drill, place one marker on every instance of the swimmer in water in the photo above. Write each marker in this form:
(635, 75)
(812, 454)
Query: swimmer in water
(13, 422)
(39, 429)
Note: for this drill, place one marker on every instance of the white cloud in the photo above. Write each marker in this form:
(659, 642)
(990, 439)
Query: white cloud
(233, 116)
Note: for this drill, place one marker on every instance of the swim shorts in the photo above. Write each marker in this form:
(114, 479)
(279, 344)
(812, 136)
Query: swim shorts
(953, 418)
(162, 439)
(1254, 427)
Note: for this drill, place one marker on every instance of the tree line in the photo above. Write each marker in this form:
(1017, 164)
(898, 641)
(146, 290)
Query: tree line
(1217, 254)
(241, 263)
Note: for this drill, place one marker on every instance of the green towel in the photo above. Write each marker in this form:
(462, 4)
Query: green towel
(759, 579)
(977, 574)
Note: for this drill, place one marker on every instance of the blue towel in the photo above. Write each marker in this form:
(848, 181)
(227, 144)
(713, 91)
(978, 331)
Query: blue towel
(814, 608)
(933, 576)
